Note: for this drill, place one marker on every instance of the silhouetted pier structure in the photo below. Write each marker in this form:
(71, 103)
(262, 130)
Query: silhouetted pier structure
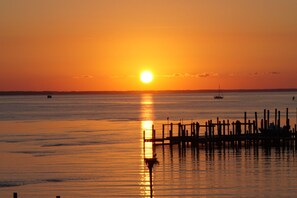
(223, 132)
(15, 195)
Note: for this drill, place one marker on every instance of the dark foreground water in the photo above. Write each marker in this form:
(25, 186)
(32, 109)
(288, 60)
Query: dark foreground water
(91, 146)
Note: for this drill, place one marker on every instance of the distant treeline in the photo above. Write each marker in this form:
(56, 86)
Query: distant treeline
(9, 93)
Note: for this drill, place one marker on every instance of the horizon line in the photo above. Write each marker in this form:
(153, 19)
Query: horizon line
(47, 92)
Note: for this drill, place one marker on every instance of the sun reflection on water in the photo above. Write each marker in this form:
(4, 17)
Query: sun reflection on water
(147, 147)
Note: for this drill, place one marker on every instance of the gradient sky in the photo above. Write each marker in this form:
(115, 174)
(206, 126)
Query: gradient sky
(188, 44)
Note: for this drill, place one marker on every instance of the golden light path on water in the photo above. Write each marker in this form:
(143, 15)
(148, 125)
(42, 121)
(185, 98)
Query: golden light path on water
(147, 147)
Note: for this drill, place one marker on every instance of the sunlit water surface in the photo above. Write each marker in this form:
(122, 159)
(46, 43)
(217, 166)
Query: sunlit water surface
(91, 146)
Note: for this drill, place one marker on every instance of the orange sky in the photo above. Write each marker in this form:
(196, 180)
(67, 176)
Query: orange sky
(187, 44)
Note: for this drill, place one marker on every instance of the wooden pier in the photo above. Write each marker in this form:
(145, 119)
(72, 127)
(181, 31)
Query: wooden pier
(223, 132)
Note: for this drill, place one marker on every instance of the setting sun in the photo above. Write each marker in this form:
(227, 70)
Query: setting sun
(146, 77)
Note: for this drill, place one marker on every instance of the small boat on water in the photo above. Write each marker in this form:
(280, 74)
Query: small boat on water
(219, 96)
(49, 96)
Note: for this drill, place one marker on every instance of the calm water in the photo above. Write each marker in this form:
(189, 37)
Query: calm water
(91, 146)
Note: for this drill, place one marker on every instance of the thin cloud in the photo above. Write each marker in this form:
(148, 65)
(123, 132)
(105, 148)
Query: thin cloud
(265, 73)
(83, 76)
(174, 75)
(178, 75)
(274, 73)
(189, 75)
(254, 74)
(204, 75)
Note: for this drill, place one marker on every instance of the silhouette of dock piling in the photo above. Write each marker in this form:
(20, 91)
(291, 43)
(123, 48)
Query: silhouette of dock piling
(226, 132)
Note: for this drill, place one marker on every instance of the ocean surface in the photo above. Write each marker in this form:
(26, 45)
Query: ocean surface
(92, 146)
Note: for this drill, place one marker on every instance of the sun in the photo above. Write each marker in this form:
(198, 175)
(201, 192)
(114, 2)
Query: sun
(146, 77)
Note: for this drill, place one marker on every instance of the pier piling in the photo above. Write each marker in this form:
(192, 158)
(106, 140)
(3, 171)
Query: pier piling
(275, 117)
(245, 123)
(264, 121)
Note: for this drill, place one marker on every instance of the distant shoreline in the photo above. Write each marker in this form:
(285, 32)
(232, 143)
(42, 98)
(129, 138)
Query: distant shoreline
(11, 93)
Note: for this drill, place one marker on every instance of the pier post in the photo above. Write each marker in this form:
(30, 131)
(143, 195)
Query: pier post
(143, 134)
(218, 125)
(228, 126)
(278, 122)
(237, 136)
(179, 129)
(224, 128)
(233, 128)
(238, 128)
(256, 121)
(287, 118)
(245, 123)
(249, 127)
(268, 122)
(248, 135)
(254, 127)
(163, 132)
(232, 134)
(295, 137)
(275, 117)
(254, 132)
(15, 195)
(57, 196)
(153, 133)
(264, 121)
(197, 129)
(219, 130)
(171, 130)
(206, 132)
(210, 128)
